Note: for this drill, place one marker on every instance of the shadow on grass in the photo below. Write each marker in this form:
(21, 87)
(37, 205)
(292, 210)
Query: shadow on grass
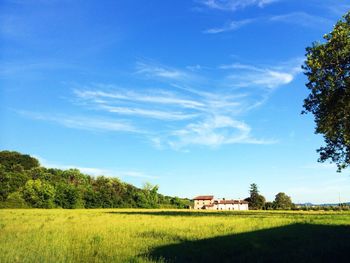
(193, 213)
(292, 243)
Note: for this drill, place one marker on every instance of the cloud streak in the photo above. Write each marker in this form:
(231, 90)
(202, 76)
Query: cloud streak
(160, 97)
(183, 113)
(233, 5)
(160, 71)
(213, 132)
(231, 26)
(206, 117)
(84, 123)
(302, 19)
(242, 75)
(96, 171)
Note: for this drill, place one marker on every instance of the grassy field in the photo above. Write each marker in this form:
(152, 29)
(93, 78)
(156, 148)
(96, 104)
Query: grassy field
(130, 235)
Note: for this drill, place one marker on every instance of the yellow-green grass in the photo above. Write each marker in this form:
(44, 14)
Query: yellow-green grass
(135, 235)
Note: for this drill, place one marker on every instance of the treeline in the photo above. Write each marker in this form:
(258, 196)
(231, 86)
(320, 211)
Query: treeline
(284, 202)
(258, 201)
(24, 183)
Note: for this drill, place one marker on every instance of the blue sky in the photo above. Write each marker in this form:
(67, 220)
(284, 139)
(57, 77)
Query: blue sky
(199, 97)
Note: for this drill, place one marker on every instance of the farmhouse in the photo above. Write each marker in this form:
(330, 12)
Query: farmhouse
(209, 203)
(203, 201)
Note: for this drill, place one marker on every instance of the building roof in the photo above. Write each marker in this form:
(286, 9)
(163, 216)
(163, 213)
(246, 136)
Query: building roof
(204, 197)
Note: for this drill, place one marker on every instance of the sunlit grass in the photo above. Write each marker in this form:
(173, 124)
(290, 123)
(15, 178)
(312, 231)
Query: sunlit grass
(124, 235)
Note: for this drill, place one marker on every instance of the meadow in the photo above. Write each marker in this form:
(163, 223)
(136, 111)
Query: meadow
(140, 235)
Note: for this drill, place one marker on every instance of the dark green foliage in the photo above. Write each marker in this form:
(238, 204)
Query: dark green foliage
(11, 180)
(40, 173)
(150, 195)
(141, 200)
(9, 159)
(68, 196)
(269, 206)
(283, 201)
(74, 176)
(14, 200)
(180, 203)
(23, 183)
(39, 194)
(256, 200)
(327, 67)
(109, 192)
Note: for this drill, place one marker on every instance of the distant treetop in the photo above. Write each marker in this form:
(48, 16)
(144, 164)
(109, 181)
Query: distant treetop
(9, 159)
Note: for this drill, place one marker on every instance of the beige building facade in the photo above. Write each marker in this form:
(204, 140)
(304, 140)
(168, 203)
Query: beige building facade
(208, 202)
(202, 201)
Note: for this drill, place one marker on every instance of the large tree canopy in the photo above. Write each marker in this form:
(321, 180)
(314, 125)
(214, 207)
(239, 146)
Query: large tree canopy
(327, 67)
(283, 201)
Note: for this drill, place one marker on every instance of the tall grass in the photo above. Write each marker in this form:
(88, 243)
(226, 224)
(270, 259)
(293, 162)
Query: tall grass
(128, 235)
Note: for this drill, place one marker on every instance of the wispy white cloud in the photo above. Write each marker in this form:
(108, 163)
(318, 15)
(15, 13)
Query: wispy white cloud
(296, 18)
(231, 26)
(96, 171)
(155, 114)
(160, 97)
(243, 75)
(194, 67)
(85, 123)
(302, 19)
(263, 3)
(208, 115)
(268, 78)
(182, 113)
(338, 10)
(233, 5)
(167, 107)
(240, 66)
(214, 131)
(161, 71)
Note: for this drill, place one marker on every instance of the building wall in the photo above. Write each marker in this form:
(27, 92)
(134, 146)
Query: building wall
(225, 206)
(198, 204)
(244, 207)
(229, 207)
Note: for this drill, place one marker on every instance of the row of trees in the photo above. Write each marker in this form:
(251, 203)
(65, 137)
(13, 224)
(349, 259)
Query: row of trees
(258, 201)
(24, 183)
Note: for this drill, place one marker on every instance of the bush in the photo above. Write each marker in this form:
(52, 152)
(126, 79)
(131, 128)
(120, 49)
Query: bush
(336, 208)
(39, 194)
(14, 200)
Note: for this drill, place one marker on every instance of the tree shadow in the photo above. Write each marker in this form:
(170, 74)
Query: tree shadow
(191, 213)
(201, 213)
(292, 243)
